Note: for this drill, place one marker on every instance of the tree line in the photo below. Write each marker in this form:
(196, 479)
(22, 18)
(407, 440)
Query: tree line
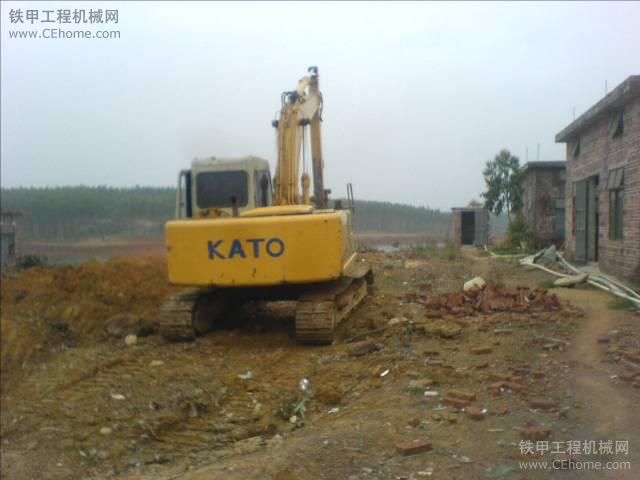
(80, 213)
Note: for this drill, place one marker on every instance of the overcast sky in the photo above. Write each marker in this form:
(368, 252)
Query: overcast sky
(418, 96)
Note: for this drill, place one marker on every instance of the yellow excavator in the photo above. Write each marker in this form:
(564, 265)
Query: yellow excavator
(239, 238)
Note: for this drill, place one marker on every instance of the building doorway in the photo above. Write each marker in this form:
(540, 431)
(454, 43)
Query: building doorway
(468, 227)
(586, 219)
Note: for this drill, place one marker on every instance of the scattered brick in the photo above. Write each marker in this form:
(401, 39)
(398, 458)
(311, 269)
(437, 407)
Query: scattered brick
(456, 402)
(628, 376)
(413, 447)
(510, 385)
(514, 386)
(474, 413)
(496, 386)
(537, 433)
(631, 357)
(481, 350)
(543, 404)
(414, 422)
(421, 383)
(488, 300)
(363, 348)
(462, 395)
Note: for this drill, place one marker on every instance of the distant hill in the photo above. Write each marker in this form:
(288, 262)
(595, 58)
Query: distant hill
(77, 213)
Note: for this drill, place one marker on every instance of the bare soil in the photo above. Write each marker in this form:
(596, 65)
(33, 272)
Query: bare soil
(78, 402)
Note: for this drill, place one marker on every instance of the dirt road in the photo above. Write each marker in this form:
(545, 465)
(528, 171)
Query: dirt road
(87, 405)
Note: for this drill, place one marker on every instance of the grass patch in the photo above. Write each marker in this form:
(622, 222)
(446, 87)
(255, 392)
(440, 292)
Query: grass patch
(621, 304)
(547, 284)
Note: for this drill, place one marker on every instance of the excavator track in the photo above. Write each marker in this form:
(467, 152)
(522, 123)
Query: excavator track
(176, 316)
(319, 313)
(190, 314)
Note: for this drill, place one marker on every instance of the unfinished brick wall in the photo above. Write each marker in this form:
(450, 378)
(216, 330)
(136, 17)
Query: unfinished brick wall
(542, 188)
(456, 228)
(599, 153)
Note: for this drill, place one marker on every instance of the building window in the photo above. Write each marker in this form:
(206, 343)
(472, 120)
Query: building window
(616, 127)
(615, 186)
(575, 151)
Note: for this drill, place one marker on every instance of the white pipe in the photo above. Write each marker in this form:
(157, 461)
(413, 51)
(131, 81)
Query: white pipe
(595, 280)
(603, 279)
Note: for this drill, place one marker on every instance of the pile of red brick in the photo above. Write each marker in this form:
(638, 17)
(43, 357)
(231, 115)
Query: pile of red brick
(488, 300)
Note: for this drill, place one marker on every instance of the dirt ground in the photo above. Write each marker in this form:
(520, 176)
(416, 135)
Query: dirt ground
(79, 402)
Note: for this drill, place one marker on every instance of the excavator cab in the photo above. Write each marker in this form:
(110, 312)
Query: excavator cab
(223, 187)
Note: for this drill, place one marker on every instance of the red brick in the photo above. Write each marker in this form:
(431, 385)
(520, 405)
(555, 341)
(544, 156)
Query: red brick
(462, 395)
(543, 404)
(475, 413)
(536, 433)
(514, 386)
(413, 447)
(456, 402)
(414, 422)
(481, 350)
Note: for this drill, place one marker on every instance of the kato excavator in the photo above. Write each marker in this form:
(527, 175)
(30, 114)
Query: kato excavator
(238, 237)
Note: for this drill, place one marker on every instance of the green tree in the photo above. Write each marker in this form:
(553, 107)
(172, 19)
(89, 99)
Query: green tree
(503, 178)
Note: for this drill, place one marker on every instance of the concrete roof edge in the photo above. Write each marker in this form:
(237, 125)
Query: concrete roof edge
(627, 90)
(545, 164)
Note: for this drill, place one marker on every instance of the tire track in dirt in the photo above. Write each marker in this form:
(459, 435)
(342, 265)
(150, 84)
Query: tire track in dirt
(189, 405)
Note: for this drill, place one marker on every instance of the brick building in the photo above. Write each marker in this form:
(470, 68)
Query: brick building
(603, 182)
(470, 226)
(543, 200)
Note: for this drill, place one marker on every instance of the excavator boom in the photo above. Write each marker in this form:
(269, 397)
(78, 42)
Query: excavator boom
(301, 108)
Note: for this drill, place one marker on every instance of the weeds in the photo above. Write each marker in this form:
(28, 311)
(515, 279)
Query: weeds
(30, 261)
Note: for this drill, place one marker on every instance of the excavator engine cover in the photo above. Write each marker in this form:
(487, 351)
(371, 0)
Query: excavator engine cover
(259, 250)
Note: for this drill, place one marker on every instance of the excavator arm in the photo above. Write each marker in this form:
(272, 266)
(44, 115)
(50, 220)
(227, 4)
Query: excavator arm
(301, 108)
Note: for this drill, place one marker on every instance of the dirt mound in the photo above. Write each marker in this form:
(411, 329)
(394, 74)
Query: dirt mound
(46, 309)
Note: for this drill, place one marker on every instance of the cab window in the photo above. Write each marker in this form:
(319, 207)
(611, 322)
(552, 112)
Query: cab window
(218, 189)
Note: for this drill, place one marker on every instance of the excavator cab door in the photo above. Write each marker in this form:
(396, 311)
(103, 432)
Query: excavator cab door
(183, 201)
(264, 188)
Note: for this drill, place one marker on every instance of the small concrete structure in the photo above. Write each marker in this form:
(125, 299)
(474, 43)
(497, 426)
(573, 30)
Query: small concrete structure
(10, 238)
(603, 182)
(470, 226)
(543, 200)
